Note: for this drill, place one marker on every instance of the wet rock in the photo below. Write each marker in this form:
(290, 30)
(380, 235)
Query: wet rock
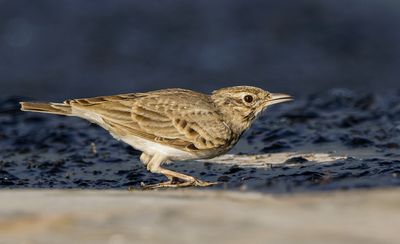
(359, 142)
(396, 174)
(350, 121)
(224, 178)
(133, 175)
(79, 160)
(278, 134)
(112, 160)
(301, 116)
(321, 139)
(296, 160)
(389, 145)
(122, 172)
(358, 166)
(363, 173)
(131, 151)
(62, 138)
(276, 147)
(233, 169)
(343, 175)
(34, 119)
(10, 105)
(365, 103)
(7, 179)
(253, 135)
(82, 183)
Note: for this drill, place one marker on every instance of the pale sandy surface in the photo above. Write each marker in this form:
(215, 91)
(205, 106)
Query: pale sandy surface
(190, 216)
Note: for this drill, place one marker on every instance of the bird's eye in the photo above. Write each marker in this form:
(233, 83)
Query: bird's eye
(248, 98)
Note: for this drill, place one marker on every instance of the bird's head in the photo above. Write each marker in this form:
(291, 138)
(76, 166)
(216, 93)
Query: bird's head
(240, 105)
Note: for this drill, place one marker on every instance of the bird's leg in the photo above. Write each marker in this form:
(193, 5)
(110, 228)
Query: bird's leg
(154, 166)
(145, 159)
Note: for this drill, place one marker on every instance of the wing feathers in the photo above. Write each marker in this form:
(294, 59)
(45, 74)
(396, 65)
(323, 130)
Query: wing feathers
(176, 119)
(142, 112)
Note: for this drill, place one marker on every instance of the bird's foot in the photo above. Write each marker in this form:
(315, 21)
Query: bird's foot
(198, 182)
(175, 183)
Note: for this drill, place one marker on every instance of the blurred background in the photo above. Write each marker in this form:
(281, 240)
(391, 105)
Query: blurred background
(70, 48)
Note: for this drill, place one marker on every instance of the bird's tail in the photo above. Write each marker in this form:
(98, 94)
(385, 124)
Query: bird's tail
(51, 108)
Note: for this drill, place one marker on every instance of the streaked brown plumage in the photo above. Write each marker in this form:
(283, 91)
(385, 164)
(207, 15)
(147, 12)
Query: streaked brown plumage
(171, 124)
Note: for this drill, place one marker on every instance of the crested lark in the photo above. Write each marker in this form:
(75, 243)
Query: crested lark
(171, 124)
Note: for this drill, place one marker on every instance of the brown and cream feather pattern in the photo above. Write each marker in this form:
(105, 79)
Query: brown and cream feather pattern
(193, 122)
(180, 118)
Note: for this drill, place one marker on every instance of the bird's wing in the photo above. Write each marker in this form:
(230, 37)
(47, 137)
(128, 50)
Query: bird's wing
(180, 118)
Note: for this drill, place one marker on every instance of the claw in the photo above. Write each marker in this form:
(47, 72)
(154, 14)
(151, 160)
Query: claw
(198, 182)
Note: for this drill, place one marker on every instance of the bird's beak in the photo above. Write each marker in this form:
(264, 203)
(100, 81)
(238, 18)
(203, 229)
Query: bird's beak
(278, 98)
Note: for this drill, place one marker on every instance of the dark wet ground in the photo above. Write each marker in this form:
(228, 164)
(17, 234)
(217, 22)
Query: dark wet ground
(46, 151)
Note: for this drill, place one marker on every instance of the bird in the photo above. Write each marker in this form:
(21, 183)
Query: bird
(173, 124)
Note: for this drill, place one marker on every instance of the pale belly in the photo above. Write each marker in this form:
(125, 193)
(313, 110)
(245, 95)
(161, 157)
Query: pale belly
(152, 148)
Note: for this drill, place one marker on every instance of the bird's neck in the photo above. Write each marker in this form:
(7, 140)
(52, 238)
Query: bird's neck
(234, 118)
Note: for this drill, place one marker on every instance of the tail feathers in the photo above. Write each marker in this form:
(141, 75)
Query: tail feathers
(51, 108)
